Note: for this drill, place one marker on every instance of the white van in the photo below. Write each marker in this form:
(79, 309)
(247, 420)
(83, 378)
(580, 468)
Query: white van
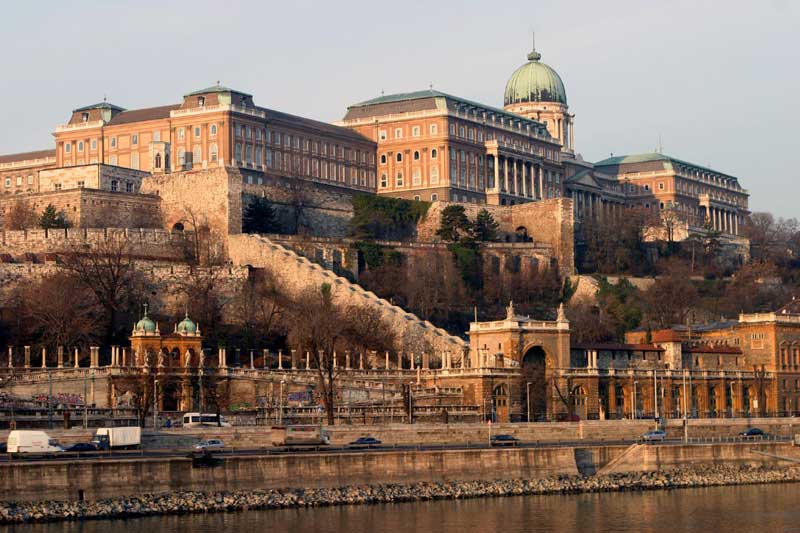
(29, 441)
(196, 420)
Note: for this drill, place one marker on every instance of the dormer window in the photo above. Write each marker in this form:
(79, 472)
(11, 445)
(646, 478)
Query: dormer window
(201, 101)
(85, 117)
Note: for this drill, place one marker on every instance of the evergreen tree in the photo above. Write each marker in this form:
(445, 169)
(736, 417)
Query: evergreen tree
(53, 219)
(485, 227)
(454, 224)
(259, 217)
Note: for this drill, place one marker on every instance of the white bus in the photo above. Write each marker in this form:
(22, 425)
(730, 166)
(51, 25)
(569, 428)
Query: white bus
(196, 420)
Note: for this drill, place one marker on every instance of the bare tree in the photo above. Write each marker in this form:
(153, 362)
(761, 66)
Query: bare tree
(61, 311)
(20, 216)
(261, 306)
(203, 246)
(105, 269)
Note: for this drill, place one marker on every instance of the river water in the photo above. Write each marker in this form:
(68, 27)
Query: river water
(759, 508)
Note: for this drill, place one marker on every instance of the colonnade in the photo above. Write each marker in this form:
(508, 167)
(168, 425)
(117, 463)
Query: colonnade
(589, 204)
(519, 177)
(724, 220)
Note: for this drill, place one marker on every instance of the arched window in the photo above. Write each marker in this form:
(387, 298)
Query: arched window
(383, 159)
(158, 161)
(416, 155)
(399, 157)
(434, 153)
(434, 197)
(213, 130)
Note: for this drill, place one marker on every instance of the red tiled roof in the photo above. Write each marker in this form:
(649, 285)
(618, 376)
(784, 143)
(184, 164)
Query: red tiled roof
(26, 156)
(142, 115)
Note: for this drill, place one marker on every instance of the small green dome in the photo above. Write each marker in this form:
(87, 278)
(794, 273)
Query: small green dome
(146, 325)
(535, 82)
(187, 326)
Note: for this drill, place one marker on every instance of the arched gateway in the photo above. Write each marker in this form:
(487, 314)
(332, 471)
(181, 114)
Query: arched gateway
(525, 354)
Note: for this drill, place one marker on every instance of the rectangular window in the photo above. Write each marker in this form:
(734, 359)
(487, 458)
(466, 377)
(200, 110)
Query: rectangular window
(156, 136)
(384, 181)
(129, 187)
(135, 138)
(399, 179)
(416, 176)
(135, 160)
(30, 179)
(181, 134)
(415, 131)
(434, 175)
(67, 148)
(381, 135)
(196, 132)
(398, 133)
(93, 144)
(80, 146)
(434, 129)
(112, 160)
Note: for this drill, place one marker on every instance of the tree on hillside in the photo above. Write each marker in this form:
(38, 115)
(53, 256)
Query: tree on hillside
(671, 297)
(615, 245)
(259, 217)
(51, 218)
(106, 269)
(485, 227)
(20, 216)
(261, 306)
(61, 311)
(381, 217)
(454, 225)
(322, 328)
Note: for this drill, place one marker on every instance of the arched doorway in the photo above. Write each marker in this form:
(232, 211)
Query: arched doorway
(534, 384)
(579, 406)
(500, 403)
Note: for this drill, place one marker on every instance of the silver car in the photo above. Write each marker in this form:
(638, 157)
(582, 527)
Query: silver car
(209, 444)
(657, 435)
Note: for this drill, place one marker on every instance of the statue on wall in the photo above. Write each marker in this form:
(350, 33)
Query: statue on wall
(510, 310)
(161, 359)
(187, 359)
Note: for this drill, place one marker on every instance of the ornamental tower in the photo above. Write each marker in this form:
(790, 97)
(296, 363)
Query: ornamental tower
(536, 91)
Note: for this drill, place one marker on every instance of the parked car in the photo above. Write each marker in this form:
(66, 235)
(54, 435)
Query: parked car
(656, 435)
(504, 440)
(82, 447)
(364, 442)
(3, 447)
(753, 432)
(209, 444)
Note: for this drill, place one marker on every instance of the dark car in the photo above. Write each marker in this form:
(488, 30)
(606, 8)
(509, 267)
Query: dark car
(364, 442)
(753, 432)
(504, 440)
(3, 447)
(82, 447)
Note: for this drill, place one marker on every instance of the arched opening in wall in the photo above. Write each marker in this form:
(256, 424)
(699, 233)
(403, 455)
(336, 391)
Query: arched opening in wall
(713, 397)
(500, 403)
(534, 384)
(170, 392)
(178, 226)
(522, 234)
(579, 402)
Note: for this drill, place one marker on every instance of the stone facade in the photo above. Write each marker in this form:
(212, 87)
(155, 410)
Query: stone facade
(92, 208)
(20, 172)
(548, 222)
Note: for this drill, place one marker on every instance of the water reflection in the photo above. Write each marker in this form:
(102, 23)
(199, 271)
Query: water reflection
(749, 508)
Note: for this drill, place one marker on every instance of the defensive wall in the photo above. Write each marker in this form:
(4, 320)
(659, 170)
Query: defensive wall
(22, 481)
(296, 274)
(92, 208)
(549, 222)
(342, 254)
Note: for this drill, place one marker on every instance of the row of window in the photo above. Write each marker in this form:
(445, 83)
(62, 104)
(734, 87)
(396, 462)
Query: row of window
(415, 156)
(18, 180)
(295, 142)
(471, 134)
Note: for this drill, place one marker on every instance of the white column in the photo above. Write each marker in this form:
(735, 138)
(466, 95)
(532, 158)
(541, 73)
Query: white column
(496, 184)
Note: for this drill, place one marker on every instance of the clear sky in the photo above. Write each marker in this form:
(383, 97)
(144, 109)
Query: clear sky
(719, 81)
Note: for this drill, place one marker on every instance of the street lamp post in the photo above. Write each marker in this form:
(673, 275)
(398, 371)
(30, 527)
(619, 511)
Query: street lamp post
(731, 387)
(280, 404)
(50, 399)
(634, 399)
(528, 398)
(86, 399)
(155, 403)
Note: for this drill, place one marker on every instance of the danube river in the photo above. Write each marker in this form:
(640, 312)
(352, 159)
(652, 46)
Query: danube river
(744, 508)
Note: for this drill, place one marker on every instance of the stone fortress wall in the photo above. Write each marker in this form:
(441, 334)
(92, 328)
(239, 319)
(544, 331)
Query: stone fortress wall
(296, 273)
(549, 222)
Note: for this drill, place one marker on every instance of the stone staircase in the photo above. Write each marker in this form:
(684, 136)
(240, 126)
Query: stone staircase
(612, 465)
(295, 274)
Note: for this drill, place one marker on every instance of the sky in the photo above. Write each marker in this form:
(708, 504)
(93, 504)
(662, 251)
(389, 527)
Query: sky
(716, 80)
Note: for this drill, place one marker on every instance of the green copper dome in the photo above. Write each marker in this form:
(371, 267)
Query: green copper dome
(146, 325)
(187, 326)
(535, 82)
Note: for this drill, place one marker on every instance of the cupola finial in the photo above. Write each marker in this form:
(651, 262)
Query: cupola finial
(534, 55)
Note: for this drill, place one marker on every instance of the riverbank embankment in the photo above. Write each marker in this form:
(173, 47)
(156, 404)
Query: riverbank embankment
(204, 502)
